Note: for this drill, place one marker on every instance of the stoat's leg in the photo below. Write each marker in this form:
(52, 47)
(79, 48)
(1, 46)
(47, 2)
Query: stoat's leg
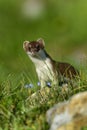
(67, 81)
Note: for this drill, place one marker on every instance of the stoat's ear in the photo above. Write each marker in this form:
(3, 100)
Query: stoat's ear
(41, 42)
(25, 44)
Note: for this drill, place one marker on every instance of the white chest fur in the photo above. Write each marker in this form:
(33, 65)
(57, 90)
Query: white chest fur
(45, 71)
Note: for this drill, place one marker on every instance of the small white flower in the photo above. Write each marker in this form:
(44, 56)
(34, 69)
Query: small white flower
(48, 84)
(39, 84)
(29, 85)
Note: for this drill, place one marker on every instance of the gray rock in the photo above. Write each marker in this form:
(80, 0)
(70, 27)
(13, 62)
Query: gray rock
(71, 114)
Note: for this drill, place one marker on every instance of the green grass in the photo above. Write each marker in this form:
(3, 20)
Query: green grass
(19, 111)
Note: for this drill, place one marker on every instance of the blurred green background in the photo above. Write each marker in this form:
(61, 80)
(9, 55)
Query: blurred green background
(62, 24)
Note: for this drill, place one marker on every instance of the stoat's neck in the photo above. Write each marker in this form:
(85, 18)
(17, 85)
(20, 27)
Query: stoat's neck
(44, 55)
(41, 57)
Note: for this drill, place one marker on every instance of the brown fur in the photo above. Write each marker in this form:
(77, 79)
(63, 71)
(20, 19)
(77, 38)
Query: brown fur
(64, 70)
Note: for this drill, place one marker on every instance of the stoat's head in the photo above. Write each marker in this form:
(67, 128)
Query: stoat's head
(34, 47)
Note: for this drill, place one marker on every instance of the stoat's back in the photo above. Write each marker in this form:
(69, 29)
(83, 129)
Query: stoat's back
(66, 69)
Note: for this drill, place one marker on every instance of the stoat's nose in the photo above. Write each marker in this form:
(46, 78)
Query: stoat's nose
(25, 45)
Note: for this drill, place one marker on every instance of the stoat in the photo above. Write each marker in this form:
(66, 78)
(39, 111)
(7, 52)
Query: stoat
(47, 69)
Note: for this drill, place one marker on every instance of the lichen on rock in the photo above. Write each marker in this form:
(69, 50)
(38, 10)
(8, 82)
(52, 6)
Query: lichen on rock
(69, 115)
